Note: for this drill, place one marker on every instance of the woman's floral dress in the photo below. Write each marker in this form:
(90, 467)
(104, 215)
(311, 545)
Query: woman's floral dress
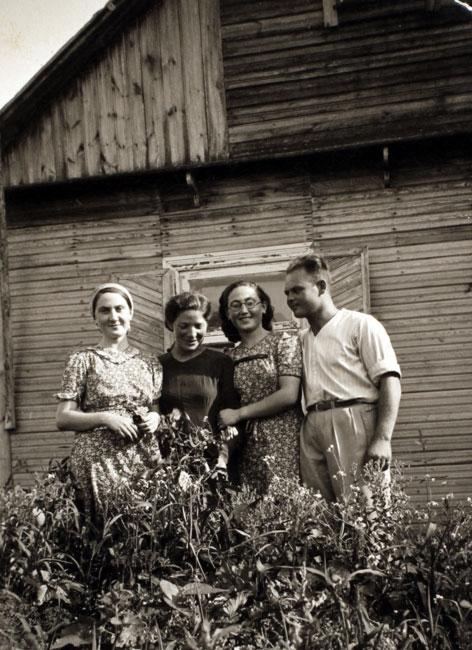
(124, 382)
(272, 443)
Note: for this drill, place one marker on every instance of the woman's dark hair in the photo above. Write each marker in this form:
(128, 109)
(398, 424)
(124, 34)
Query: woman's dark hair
(227, 326)
(101, 292)
(184, 302)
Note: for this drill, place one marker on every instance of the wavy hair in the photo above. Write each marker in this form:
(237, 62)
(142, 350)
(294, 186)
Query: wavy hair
(184, 302)
(227, 326)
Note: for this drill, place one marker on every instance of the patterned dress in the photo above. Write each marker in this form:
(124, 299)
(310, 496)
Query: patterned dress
(124, 382)
(271, 441)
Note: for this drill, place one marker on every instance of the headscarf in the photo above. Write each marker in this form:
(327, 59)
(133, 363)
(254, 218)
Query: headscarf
(111, 285)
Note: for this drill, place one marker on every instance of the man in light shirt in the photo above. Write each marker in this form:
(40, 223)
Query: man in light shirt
(351, 384)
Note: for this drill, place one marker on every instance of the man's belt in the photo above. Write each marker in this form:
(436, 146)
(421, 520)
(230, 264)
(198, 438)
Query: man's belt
(327, 404)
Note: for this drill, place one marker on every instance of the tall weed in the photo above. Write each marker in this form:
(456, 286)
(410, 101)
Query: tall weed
(183, 560)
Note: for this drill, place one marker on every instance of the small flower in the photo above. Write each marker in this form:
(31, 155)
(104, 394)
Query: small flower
(39, 516)
(185, 481)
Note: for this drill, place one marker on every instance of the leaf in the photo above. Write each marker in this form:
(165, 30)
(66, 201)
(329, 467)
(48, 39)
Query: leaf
(233, 604)
(168, 589)
(465, 604)
(41, 594)
(432, 527)
(200, 588)
(76, 634)
(221, 632)
(262, 568)
(69, 639)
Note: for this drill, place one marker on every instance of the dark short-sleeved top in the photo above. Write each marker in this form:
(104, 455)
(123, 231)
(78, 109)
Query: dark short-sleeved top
(201, 386)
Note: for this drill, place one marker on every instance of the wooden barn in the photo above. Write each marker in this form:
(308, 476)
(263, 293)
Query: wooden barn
(185, 143)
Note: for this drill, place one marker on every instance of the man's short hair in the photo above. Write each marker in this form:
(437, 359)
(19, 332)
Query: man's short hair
(313, 264)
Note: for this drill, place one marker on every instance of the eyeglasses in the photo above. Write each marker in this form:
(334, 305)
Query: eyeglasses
(249, 303)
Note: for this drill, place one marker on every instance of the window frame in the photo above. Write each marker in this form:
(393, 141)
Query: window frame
(178, 271)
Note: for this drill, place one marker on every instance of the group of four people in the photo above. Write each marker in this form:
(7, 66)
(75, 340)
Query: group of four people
(342, 366)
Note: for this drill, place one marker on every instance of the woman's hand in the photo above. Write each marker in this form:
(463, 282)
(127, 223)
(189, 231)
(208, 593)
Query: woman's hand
(149, 422)
(229, 417)
(120, 425)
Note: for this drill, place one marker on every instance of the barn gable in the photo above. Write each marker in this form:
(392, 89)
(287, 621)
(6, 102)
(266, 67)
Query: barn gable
(152, 98)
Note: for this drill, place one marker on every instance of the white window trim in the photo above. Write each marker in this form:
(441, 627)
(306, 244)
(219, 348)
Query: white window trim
(179, 270)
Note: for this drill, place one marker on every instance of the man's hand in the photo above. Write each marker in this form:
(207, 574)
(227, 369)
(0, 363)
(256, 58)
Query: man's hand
(380, 451)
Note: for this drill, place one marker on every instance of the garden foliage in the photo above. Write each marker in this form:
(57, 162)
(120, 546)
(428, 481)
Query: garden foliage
(182, 560)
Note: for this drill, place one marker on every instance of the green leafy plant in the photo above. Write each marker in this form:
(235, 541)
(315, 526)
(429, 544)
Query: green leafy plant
(182, 559)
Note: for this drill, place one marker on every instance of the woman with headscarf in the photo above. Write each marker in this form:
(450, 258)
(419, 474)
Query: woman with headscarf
(108, 397)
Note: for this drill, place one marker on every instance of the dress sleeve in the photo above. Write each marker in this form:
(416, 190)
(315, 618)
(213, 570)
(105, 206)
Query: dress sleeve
(228, 395)
(74, 378)
(376, 349)
(289, 355)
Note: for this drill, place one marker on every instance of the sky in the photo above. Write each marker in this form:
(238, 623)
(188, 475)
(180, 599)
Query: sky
(31, 32)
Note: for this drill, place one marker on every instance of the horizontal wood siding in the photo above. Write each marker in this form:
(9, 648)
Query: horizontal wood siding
(56, 258)
(237, 210)
(153, 99)
(419, 238)
(389, 71)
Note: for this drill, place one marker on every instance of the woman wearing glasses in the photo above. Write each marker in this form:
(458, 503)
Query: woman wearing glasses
(267, 373)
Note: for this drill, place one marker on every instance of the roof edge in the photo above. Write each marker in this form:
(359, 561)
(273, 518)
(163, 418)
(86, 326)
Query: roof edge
(77, 52)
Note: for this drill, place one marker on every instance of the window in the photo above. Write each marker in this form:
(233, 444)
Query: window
(211, 273)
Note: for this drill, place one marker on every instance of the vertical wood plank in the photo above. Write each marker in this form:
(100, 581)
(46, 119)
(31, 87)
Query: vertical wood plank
(7, 416)
(136, 117)
(193, 81)
(365, 280)
(106, 118)
(119, 92)
(152, 88)
(11, 167)
(91, 127)
(214, 79)
(57, 120)
(330, 13)
(28, 151)
(47, 171)
(73, 141)
(173, 97)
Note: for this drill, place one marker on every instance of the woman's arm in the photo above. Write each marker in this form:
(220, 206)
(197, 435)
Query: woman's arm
(284, 397)
(70, 417)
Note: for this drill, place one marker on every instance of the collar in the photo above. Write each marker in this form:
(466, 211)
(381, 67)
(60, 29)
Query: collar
(113, 355)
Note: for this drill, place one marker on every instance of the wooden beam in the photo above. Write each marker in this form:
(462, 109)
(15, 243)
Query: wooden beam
(330, 13)
(7, 412)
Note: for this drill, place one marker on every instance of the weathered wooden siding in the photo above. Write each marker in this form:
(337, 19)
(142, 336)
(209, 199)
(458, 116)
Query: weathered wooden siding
(153, 99)
(59, 250)
(390, 71)
(419, 235)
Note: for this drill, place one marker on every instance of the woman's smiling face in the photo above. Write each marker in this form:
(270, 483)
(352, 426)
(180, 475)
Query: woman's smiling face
(189, 329)
(113, 316)
(245, 309)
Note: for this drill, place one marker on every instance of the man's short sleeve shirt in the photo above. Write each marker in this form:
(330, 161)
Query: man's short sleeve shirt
(346, 358)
